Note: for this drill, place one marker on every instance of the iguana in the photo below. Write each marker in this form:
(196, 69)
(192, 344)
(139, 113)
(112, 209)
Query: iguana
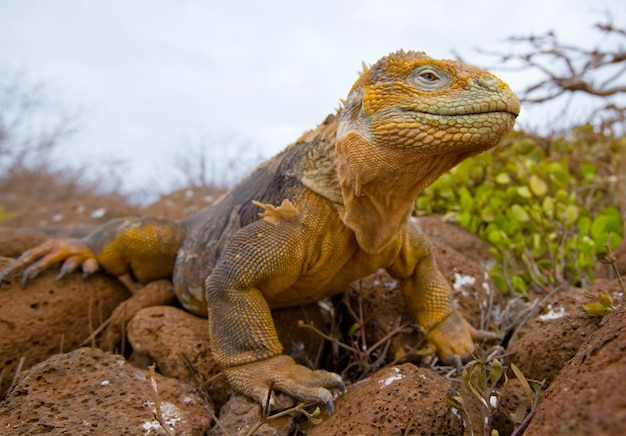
(333, 207)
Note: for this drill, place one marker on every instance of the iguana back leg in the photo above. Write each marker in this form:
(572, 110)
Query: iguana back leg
(145, 248)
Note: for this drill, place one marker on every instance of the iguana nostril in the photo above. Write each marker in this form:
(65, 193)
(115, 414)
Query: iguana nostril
(488, 81)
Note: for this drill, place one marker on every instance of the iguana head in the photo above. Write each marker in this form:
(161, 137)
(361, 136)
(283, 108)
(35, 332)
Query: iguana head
(408, 119)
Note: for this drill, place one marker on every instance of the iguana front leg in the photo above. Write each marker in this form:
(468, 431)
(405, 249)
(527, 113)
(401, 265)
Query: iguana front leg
(428, 297)
(261, 261)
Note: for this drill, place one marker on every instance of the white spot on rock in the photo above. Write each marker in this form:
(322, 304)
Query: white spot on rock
(104, 382)
(397, 376)
(98, 213)
(57, 217)
(461, 281)
(553, 313)
(171, 416)
(391, 285)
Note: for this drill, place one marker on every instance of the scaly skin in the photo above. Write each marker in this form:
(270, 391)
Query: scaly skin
(330, 209)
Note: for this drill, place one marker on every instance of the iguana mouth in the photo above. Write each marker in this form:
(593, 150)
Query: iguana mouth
(434, 113)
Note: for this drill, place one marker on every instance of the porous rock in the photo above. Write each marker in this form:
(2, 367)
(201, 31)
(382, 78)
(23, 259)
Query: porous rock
(51, 316)
(587, 397)
(397, 400)
(90, 391)
(552, 337)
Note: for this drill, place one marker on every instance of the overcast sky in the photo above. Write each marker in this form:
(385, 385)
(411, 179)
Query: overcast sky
(153, 77)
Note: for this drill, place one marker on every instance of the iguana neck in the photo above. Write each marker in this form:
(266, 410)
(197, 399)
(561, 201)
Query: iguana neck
(378, 201)
(374, 204)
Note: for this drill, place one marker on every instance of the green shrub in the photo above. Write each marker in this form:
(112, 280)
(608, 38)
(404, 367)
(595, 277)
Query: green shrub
(545, 206)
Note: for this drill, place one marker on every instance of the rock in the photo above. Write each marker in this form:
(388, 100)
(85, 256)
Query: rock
(51, 316)
(89, 391)
(587, 397)
(398, 400)
(13, 242)
(241, 414)
(553, 336)
(456, 237)
(178, 342)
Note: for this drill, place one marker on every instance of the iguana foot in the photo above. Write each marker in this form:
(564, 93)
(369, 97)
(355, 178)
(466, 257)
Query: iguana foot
(73, 253)
(453, 338)
(283, 374)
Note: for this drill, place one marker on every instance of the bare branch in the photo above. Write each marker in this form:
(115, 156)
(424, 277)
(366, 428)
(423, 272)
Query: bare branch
(566, 69)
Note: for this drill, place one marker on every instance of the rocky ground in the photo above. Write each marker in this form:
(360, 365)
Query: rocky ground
(56, 379)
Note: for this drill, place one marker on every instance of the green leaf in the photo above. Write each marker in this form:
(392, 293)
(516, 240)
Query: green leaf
(537, 185)
(496, 371)
(519, 213)
(547, 206)
(598, 309)
(487, 214)
(503, 179)
(524, 192)
(354, 329)
(476, 378)
(519, 414)
(465, 198)
(605, 299)
(588, 171)
(455, 400)
(602, 226)
(522, 379)
(570, 215)
(494, 236)
(584, 225)
(499, 280)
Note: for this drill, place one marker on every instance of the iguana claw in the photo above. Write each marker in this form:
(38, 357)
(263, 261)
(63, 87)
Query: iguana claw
(72, 252)
(453, 339)
(283, 374)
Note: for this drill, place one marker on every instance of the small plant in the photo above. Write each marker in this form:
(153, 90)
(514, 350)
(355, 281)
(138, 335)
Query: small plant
(485, 379)
(545, 208)
(158, 414)
(363, 359)
(533, 390)
(601, 306)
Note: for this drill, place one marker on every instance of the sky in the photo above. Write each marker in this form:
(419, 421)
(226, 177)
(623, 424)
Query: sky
(153, 81)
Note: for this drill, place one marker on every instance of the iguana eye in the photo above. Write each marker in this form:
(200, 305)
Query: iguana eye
(429, 78)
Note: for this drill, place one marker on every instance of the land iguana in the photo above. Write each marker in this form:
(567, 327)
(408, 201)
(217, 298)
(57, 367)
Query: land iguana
(333, 207)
